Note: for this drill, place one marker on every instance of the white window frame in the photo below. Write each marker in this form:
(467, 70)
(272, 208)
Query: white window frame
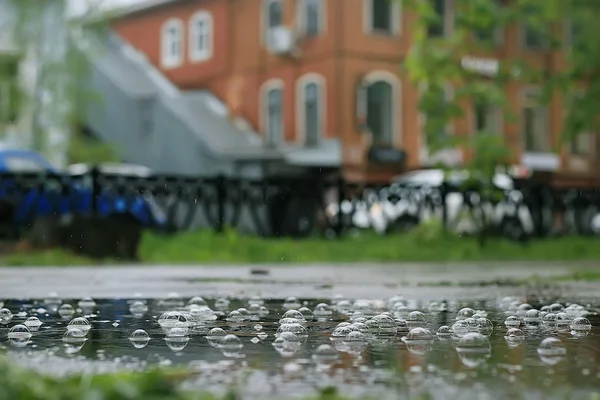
(302, 17)
(268, 86)
(395, 23)
(196, 54)
(171, 60)
(301, 84)
(265, 29)
(394, 81)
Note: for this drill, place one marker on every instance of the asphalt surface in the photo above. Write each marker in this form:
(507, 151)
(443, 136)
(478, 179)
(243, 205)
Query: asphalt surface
(278, 281)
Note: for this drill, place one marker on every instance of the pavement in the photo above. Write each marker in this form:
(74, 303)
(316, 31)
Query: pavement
(414, 280)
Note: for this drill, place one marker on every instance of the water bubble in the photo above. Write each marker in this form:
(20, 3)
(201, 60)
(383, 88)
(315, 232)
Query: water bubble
(550, 320)
(264, 311)
(79, 323)
(512, 322)
(341, 332)
(33, 323)
(203, 313)
(555, 308)
(485, 326)
(74, 339)
(52, 302)
(373, 327)
(197, 301)
(355, 342)
(292, 303)
(139, 338)
(580, 326)
(360, 327)
(221, 304)
(215, 336)
(322, 310)
(172, 301)
(416, 319)
(138, 308)
(87, 304)
(444, 332)
(418, 340)
(262, 335)
(532, 318)
(244, 313)
(514, 337)
(177, 339)
(235, 317)
(465, 313)
(168, 319)
(325, 355)
(231, 345)
(66, 311)
(563, 321)
(294, 314)
(19, 335)
(472, 324)
(5, 315)
(344, 306)
(387, 325)
(522, 309)
(473, 349)
(256, 300)
(460, 328)
(551, 350)
(307, 313)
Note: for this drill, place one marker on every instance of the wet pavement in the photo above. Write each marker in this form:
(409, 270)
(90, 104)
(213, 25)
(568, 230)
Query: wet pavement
(420, 281)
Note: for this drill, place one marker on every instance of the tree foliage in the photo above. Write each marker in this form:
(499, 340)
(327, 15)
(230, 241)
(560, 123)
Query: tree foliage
(557, 26)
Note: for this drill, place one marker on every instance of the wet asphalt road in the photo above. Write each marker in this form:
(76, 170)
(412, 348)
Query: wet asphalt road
(277, 281)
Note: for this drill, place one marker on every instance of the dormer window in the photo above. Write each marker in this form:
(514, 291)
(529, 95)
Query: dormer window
(172, 43)
(201, 36)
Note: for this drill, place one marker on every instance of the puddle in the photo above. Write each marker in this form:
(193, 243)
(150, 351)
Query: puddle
(466, 349)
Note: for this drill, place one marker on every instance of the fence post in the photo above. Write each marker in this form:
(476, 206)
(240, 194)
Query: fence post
(221, 198)
(96, 189)
(339, 227)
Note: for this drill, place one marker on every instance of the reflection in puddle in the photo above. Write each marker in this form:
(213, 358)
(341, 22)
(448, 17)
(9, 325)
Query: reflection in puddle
(374, 348)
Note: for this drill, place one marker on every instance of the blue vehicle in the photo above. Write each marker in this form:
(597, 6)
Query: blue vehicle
(33, 202)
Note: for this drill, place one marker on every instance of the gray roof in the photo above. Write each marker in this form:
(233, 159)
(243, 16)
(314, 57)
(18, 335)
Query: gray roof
(327, 154)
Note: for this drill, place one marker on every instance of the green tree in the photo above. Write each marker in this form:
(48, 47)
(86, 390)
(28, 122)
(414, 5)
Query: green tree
(55, 101)
(441, 54)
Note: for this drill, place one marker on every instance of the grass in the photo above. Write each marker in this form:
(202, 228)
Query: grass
(424, 244)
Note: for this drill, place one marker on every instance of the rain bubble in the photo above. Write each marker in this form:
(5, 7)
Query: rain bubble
(532, 318)
(256, 300)
(169, 319)
(472, 324)
(139, 338)
(464, 313)
(562, 321)
(244, 313)
(79, 323)
(550, 320)
(215, 336)
(522, 309)
(418, 335)
(33, 323)
(74, 339)
(292, 303)
(473, 349)
(307, 313)
(460, 328)
(322, 310)
(203, 313)
(87, 304)
(294, 314)
(19, 334)
(177, 339)
(387, 325)
(360, 327)
(197, 301)
(341, 332)
(514, 337)
(485, 326)
(551, 350)
(373, 326)
(444, 332)
(325, 355)
(138, 308)
(231, 346)
(580, 326)
(512, 322)
(66, 311)
(416, 319)
(234, 316)
(5, 315)
(172, 301)
(221, 304)
(555, 308)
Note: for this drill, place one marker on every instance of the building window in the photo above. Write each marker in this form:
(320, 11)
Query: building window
(382, 16)
(492, 33)
(486, 117)
(272, 105)
(379, 112)
(172, 43)
(272, 18)
(311, 109)
(201, 36)
(437, 27)
(582, 145)
(312, 16)
(533, 36)
(536, 131)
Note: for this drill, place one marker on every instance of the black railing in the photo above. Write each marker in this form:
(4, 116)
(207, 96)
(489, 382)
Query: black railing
(295, 206)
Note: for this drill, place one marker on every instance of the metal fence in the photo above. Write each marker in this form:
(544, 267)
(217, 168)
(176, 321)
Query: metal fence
(297, 207)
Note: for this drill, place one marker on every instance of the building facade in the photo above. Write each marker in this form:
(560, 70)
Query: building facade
(306, 72)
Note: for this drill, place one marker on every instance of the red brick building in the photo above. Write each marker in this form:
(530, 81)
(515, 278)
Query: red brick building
(301, 71)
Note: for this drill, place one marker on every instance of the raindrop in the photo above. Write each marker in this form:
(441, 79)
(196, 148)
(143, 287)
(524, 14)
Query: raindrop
(522, 309)
(418, 340)
(87, 304)
(416, 319)
(532, 318)
(138, 308)
(292, 303)
(197, 301)
(325, 355)
(231, 345)
(514, 337)
(169, 319)
(66, 311)
(512, 322)
(221, 304)
(322, 310)
(203, 313)
(5, 316)
(19, 335)
(550, 321)
(551, 350)
(234, 317)
(465, 313)
(172, 301)
(294, 314)
(387, 325)
(244, 313)
(563, 321)
(139, 338)
(177, 339)
(580, 326)
(33, 323)
(74, 339)
(215, 336)
(473, 349)
(444, 332)
(79, 323)
(485, 326)
(460, 328)
(256, 300)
